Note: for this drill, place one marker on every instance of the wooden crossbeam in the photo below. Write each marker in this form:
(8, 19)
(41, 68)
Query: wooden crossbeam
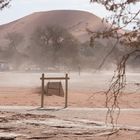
(55, 78)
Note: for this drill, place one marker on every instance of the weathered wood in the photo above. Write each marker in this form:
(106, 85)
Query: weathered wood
(60, 85)
(55, 78)
(66, 94)
(42, 94)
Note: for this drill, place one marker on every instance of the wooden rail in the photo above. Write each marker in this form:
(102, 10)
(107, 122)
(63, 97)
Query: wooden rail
(43, 78)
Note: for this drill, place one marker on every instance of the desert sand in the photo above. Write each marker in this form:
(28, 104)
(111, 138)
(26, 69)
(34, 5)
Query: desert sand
(32, 97)
(22, 118)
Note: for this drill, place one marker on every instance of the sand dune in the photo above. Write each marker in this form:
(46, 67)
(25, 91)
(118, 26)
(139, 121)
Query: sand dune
(73, 20)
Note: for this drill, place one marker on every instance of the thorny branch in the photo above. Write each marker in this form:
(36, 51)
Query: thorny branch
(4, 3)
(121, 18)
(107, 55)
(116, 87)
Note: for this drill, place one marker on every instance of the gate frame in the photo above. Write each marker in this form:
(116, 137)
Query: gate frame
(43, 78)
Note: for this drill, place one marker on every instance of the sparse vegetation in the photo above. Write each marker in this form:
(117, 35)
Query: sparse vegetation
(4, 3)
(122, 18)
(14, 40)
(56, 46)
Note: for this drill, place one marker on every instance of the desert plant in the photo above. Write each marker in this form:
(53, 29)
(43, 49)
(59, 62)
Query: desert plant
(125, 29)
(4, 3)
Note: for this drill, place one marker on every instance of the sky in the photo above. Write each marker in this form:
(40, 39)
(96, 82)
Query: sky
(21, 8)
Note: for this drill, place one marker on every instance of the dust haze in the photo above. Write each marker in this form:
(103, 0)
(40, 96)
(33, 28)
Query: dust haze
(34, 45)
(79, 82)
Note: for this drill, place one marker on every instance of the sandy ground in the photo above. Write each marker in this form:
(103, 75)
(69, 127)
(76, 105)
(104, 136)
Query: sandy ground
(21, 118)
(31, 96)
(85, 90)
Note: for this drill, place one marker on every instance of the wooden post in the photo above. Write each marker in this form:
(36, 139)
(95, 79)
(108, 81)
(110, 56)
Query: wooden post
(42, 94)
(59, 87)
(66, 91)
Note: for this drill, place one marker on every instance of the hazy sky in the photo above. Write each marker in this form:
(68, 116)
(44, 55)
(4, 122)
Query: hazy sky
(20, 8)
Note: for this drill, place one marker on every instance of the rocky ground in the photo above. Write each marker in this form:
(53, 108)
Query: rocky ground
(23, 123)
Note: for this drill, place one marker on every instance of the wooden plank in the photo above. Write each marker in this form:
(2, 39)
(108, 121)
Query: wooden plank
(66, 94)
(42, 94)
(55, 78)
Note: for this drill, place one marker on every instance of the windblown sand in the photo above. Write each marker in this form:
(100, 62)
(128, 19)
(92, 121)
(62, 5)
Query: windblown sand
(32, 97)
(78, 122)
